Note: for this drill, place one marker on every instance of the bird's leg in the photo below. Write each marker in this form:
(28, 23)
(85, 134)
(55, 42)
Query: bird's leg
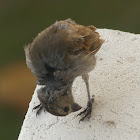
(87, 111)
(39, 110)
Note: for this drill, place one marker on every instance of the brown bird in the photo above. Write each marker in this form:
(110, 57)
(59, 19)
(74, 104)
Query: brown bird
(56, 57)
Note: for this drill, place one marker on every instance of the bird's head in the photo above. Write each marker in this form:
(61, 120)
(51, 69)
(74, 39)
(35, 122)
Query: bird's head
(58, 103)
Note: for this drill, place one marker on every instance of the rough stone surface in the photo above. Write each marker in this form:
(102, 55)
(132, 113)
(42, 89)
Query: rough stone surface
(115, 82)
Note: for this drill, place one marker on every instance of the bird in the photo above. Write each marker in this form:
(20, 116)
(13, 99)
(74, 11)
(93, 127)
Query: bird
(59, 54)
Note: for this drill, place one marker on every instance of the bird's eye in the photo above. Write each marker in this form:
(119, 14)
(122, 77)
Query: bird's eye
(50, 108)
(66, 109)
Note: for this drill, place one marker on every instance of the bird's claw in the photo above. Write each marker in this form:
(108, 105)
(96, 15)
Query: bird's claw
(39, 107)
(87, 111)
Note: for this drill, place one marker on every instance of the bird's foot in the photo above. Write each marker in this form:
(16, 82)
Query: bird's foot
(87, 111)
(39, 107)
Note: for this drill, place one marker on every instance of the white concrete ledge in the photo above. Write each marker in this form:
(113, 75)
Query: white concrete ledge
(115, 82)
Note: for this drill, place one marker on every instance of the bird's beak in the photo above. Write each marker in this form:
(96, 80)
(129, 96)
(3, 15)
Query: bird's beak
(75, 107)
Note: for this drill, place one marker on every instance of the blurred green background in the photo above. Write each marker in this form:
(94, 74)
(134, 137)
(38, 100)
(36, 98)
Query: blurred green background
(22, 20)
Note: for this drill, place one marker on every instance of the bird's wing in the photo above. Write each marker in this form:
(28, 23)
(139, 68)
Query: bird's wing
(84, 40)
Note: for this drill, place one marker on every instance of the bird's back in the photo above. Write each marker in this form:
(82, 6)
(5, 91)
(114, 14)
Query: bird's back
(64, 46)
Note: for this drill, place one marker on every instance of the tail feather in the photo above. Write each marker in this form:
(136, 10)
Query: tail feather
(96, 46)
